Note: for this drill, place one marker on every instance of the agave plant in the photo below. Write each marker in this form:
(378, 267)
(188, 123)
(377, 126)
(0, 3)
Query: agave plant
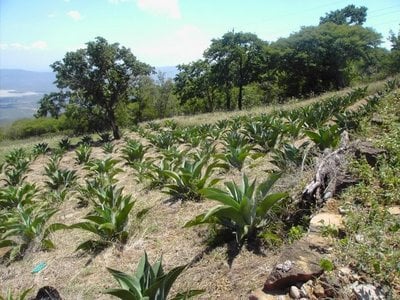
(61, 179)
(325, 137)
(267, 137)
(15, 176)
(148, 282)
(103, 170)
(290, 156)
(105, 137)
(16, 157)
(191, 177)
(83, 153)
(86, 140)
(163, 139)
(64, 144)
(242, 209)
(12, 196)
(133, 152)
(109, 218)
(24, 224)
(40, 148)
(154, 126)
(108, 148)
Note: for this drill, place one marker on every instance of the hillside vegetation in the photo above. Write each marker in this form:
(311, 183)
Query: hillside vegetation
(217, 200)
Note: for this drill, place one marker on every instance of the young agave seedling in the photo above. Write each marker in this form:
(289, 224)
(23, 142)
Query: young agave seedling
(40, 148)
(325, 137)
(83, 153)
(242, 209)
(133, 152)
(148, 282)
(12, 196)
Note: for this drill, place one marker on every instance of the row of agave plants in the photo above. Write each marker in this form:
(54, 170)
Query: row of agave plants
(183, 162)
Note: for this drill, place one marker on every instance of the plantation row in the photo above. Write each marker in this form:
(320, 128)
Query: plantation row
(184, 162)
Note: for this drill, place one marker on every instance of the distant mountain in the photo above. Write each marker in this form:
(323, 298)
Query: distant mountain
(27, 81)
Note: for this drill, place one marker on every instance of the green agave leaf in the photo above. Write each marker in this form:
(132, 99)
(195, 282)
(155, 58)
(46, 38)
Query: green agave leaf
(265, 186)
(220, 196)
(7, 243)
(123, 294)
(160, 289)
(196, 221)
(268, 202)
(127, 282)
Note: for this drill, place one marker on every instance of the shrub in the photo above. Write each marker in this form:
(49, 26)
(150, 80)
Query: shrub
(33, 127)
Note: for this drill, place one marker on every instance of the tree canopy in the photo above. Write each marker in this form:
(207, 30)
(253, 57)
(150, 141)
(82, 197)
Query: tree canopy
(100, 77)
(350, 15)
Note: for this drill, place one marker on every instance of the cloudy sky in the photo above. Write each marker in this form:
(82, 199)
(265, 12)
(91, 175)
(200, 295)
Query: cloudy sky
(35, 33)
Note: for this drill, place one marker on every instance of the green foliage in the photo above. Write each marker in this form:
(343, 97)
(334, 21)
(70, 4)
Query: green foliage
(23, 225)
(133, 152)
(290, 156)
(191, 177)
(12, 196)
(295, 233)
(105, 137)
(109, 218)
(350, 15)
(25, 128)
(163, 139)
(83, 153)
(148, 282)
(99, 78)
(108, 147)
(327, 265)
(104, 171)
(325, 137)
(64, 144)
(243, 209)
(40, 148)
(60, 179)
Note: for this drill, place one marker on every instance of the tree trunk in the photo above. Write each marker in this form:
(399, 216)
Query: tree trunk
(240, 97)
(228, 98)
(114, 125)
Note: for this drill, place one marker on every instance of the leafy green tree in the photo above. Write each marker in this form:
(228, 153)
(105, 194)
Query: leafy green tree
(195, 81)
(236, 59)
(51, 104)
(317, 58)
(102, 74)
(350, 15)
(394, 56)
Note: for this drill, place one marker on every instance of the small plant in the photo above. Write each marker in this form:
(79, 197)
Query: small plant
(105, 137)
(86, 140)
(108, 147)
(25, 224)
(148, 282)
(133, 152)
(154, 126)
(191, 177)
(163, 139)
(40, 148)
(103, 170)
(325, 137)
(12, 196)
(64, 144)
(109, 218)
(83, 153)
(326, 265)
(295, 233)
(243, 208)
(61, 179)
(290, 156)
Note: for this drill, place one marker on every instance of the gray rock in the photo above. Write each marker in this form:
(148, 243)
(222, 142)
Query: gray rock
(367, 292)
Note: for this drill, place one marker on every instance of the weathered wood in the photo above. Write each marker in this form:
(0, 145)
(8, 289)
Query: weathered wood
(330, 171)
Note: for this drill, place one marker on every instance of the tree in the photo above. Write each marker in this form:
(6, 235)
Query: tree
(195, 80)
(394, 56)
(350, 15)
(317, 58)
(51, 104)
(237, 59)
(102, 74)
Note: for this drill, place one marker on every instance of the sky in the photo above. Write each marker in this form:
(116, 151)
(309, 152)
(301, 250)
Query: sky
(36, 33)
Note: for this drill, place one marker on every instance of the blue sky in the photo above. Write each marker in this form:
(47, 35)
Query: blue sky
(35, 33)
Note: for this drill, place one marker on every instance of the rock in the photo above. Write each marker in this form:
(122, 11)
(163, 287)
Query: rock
(367, 292)
(324, 219)
(394, 210)
(294, 292)
(359, 238)
(318, 242)
(306, 290)
(285, 267)
(319, 291)
(344, 271)
(367, 150)
(305, 266)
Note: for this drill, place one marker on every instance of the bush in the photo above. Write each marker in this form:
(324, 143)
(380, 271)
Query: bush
(32, 127)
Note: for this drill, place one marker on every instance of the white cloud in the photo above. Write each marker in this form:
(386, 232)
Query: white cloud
(75, 15)
(169, 8)
(38, 45)
(182, 46)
